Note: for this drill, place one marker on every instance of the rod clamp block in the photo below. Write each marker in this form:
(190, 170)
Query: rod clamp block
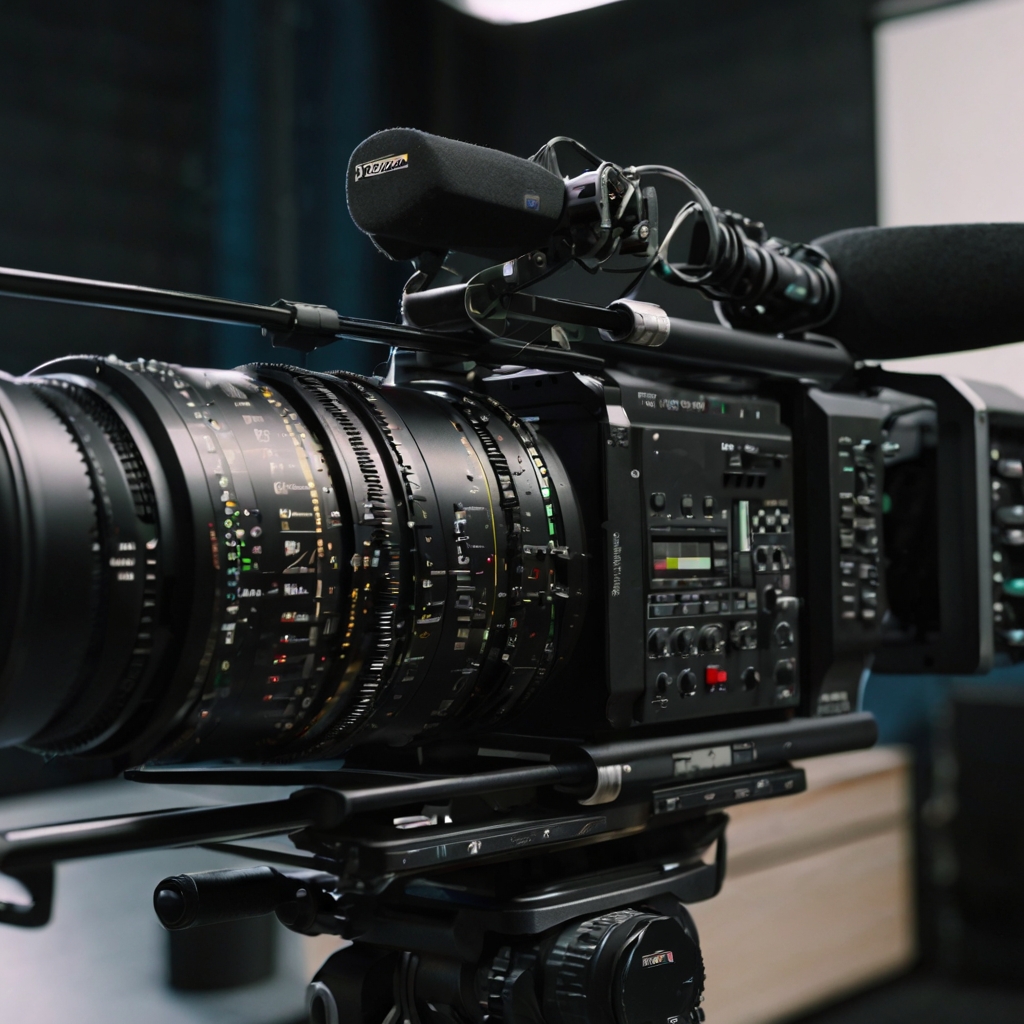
(311, 327)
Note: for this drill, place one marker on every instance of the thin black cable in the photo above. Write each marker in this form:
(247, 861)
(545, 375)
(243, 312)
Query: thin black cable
(677, 222)
(710, 218)
(546, 156)
(688, 274)
(691, 275)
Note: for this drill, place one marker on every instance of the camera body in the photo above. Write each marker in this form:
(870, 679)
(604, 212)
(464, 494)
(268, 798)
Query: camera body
(340, 562)
(808, 507)
(686, 498)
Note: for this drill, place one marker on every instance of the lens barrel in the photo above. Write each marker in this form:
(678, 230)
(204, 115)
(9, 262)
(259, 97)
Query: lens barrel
(272, 563)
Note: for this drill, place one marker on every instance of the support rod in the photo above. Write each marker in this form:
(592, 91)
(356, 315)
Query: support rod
(691, 346)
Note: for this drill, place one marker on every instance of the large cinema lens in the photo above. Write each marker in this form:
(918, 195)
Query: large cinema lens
(271, 563)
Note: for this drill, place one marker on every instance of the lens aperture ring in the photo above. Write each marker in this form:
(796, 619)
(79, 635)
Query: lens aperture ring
(265, 522)
(460, 538)
(522, 642)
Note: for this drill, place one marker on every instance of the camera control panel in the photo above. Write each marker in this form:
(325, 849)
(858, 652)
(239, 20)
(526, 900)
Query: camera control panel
(720, 600)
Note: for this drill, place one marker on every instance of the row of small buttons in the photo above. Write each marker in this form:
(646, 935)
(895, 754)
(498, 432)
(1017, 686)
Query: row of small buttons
(711, 639)
(770, 520)
(858, 534)
(659, 502)
(666, 605)
(715, 679)
(722, 793)
(1008, 533)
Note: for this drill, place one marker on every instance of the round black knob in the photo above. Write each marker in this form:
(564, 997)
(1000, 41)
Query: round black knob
(688, 682)
(657, 643)
(785, 672)
(682, 640)
(169, 905)
(659, 975)
(783, 634)
(750, 678)
(744, 635)
(770, 599)
(572, 970)
(712, 639)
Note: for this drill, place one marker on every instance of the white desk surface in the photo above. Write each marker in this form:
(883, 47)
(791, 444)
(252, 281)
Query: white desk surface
(103, 957)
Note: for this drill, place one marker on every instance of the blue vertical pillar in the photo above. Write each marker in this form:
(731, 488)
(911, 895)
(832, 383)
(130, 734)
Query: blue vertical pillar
(350, 107)
(351, 103)
(237, 162)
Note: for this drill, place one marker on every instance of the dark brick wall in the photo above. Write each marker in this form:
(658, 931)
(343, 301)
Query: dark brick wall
(105, 115)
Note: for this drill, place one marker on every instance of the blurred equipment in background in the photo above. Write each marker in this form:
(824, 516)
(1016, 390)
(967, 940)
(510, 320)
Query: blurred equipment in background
(974, 835)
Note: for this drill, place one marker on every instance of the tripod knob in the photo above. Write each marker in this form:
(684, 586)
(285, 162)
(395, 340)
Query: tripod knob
(631, 966)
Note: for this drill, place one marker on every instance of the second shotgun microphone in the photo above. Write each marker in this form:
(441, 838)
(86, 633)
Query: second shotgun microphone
(915, 291)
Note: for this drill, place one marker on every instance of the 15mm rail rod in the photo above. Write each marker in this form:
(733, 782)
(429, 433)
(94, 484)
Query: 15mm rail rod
(691, 346)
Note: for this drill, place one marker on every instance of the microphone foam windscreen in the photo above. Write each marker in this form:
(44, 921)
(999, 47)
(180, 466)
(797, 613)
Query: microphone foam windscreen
(914, 291)
(411, 192)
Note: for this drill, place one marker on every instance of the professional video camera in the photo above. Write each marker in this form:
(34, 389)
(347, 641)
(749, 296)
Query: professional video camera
(520, 616)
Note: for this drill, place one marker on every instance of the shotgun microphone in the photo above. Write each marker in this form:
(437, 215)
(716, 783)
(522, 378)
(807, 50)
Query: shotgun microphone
(412, 192)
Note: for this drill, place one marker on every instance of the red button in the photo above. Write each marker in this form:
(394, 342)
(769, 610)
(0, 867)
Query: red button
(714, 675)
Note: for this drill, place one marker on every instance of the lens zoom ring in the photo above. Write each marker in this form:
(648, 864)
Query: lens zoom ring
(381, 516)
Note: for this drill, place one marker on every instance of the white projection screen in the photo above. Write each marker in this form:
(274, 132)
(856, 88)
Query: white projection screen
(950, 123)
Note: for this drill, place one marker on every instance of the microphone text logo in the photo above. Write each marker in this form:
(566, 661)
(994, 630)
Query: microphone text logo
(371, 168)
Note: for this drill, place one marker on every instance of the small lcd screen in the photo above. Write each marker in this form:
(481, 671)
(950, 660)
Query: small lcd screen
(681, 557)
